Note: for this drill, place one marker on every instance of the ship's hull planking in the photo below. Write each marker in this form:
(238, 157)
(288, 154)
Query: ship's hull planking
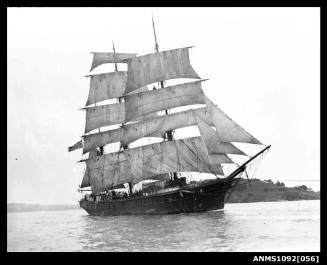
(188, 199)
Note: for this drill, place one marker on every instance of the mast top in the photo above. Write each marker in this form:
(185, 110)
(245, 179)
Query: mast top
(115, 59)
(155, 36)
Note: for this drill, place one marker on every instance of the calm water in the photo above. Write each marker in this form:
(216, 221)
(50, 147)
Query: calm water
(266, 226)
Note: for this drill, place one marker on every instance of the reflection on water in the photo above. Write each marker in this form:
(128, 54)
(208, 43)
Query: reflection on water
(149, 233)
(274, 226)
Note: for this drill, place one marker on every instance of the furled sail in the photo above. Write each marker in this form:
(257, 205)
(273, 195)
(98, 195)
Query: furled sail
(161, 177)
(109, 57)
(143, 105)
(78, 145)
(165, 98)
(226, 128)
(136, 164)
(155, 67)
(108, 85)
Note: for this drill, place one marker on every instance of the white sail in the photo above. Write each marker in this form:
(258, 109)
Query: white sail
(155, 67)
(92, 141)
(165, 98)
(227, 129)
(212, 140)
(155, 127)
(139, 90)
(77, 145)
(143, 105)
(106, 115)
(86, 179)
(134, 165)
(109, 57)
(159, 125)
(107, 86)
(220, 159)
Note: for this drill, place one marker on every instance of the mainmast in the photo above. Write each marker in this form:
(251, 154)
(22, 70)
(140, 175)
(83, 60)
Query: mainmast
(120, 100)
(169, 134)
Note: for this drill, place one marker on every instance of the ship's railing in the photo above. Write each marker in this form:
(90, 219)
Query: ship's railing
(112, 195)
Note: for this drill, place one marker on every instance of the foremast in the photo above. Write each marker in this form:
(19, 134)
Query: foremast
(120, 100)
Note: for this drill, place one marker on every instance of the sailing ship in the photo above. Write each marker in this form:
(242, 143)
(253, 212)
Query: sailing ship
(144, 111)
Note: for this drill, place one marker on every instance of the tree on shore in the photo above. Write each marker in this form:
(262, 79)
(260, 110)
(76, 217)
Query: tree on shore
(269, 181)
(302, 188)
(280, 184)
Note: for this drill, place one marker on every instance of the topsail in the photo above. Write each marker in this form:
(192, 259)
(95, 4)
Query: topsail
(164, 98)
(226, 130)
(155, 67)
(109, 85)
(141, 106)
(154, 127)
(109, 57)
(106, 115)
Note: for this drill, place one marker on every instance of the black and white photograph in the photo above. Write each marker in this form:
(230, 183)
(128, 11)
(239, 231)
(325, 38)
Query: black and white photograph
(163, 129)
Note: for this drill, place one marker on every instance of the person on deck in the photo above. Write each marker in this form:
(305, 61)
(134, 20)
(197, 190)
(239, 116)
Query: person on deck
(101, 150)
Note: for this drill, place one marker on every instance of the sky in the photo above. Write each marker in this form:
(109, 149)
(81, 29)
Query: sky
(263, 66)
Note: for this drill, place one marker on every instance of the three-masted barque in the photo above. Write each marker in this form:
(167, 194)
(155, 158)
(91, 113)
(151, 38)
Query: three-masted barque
(142, 111)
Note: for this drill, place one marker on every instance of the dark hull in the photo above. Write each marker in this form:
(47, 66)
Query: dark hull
(205, 197)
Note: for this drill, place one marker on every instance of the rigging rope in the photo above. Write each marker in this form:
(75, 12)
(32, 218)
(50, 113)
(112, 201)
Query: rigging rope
(205, 164)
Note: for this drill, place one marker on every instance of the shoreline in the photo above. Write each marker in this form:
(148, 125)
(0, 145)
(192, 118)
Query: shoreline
(274, 201)
(73, 207)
